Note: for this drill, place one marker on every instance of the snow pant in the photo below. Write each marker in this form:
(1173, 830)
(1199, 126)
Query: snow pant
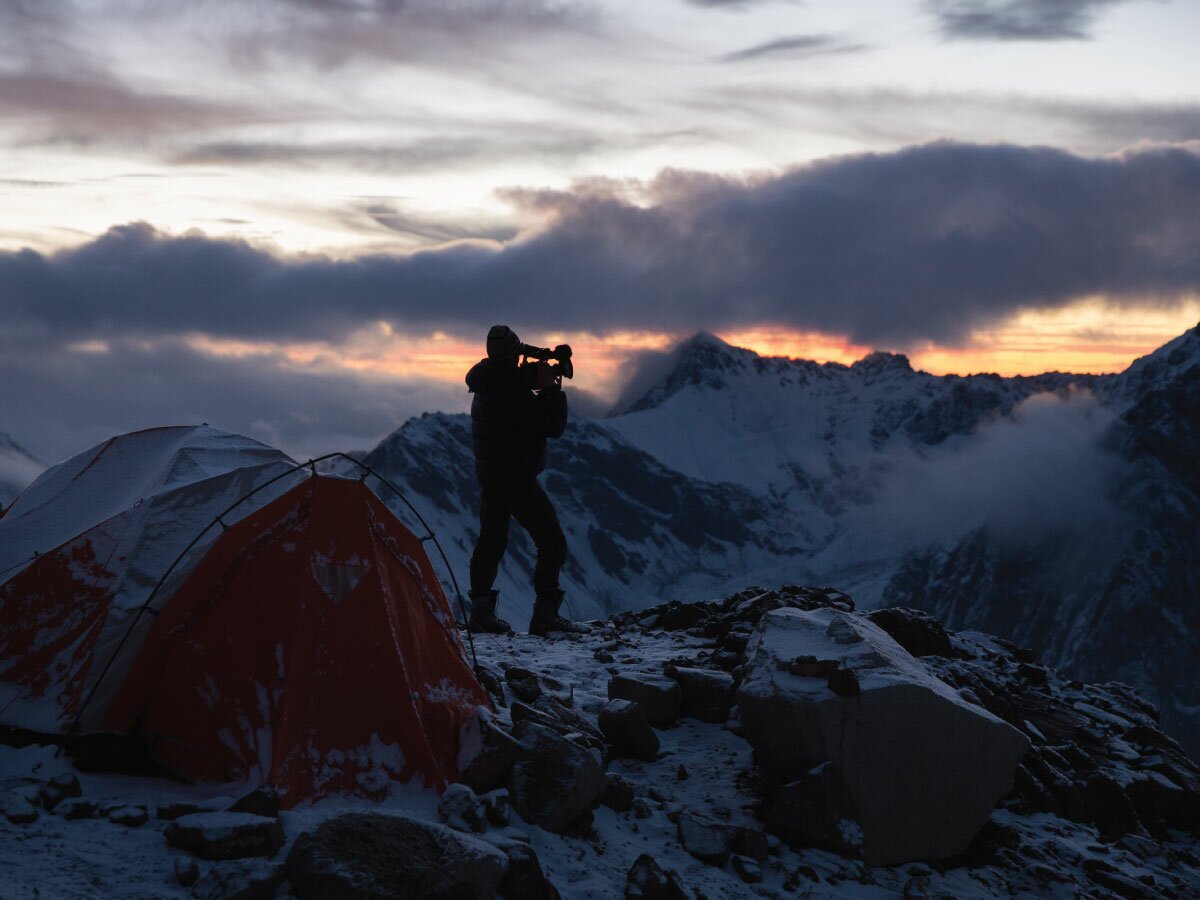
(526, 502)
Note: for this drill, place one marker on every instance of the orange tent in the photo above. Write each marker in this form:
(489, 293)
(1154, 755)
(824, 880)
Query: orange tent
(302, 639)
(312, 648)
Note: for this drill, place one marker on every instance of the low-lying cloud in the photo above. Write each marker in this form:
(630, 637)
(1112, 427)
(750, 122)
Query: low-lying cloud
(925, 244)
(1041, 471)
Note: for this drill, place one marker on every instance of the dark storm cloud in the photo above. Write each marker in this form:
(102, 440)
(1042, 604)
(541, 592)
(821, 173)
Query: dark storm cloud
(1018, 20)
(798, 45)
(923, 244)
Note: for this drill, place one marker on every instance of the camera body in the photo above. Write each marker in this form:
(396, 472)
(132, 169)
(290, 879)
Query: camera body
(539, 357)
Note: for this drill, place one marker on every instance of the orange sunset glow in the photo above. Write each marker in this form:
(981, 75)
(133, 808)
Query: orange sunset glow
(1088, 337)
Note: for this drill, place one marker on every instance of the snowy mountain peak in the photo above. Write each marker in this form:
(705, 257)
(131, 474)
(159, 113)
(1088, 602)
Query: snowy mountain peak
(1162, 367)
(703, 360)
(883, 363)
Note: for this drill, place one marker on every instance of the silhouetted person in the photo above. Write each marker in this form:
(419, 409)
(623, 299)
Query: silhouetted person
(516, 408)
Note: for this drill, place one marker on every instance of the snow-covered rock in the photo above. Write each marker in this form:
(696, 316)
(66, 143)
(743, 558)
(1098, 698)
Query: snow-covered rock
(363, 856)
(921, 767)
(226, 835)
(555, 781)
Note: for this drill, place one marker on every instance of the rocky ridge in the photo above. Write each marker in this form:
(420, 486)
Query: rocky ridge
(626, 761)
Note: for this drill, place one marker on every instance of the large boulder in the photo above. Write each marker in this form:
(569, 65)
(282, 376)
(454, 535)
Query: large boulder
(371, 856)
(918, 768)
(555, 781)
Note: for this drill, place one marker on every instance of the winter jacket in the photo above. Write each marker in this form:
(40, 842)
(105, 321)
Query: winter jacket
(509, 423)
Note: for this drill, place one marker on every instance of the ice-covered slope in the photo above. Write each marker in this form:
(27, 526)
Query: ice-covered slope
(18, 467)
(722, 413)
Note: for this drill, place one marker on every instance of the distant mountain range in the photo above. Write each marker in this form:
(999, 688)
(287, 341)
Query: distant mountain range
(1061, 511)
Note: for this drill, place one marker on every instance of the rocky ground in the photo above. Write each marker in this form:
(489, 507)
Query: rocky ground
(620, 763)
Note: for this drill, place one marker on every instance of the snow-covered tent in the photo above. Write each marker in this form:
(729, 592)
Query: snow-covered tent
(83, 548)
(307, 644)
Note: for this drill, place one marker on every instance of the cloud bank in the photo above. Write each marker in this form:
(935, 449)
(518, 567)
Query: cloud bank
(926, 244)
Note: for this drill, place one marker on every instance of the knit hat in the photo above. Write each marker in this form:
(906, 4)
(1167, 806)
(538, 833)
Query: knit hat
(502, 343)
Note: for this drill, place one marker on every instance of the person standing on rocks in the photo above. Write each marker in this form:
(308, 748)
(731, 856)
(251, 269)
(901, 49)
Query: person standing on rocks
(516, 408)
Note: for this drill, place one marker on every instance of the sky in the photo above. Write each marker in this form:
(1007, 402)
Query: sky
(298, 218)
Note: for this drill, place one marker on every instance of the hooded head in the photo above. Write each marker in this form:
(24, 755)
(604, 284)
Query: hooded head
(503, 343)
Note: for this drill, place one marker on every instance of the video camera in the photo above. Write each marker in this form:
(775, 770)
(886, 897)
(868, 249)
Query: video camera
(541, 356)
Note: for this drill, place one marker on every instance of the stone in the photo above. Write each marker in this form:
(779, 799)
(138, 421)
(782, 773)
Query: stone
(555, 781)
(365, 856)
(486, 752)
(169, 812)
(187, 872)
(495, 806)
(130, 815)
(810, 667)
(659, 697)
(262, 801)
(917, 632)
(59, 788)
(706, 694)
(17, 809)
(916, 888)
(678, 616)
(706, 839)
(1160, 802)
(746, 869)
(843, 682)
(525, 878)
(750, 842)
(1111, 810)
(225, 835)
(523, 683)
(917, 768)
(647, 880)
(462, 810)
(641, 809)
(618, 793)
(624, 725)
(247, 879)
(76, 808)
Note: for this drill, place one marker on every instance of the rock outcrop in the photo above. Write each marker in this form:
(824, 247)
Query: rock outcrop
(915, 767)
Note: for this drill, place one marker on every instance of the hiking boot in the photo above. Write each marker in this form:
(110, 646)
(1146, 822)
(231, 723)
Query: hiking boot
(483, 614)
(546, 618)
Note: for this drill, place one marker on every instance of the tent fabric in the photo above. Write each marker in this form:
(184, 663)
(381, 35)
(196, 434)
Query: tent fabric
(312, 648)
(84, 546)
